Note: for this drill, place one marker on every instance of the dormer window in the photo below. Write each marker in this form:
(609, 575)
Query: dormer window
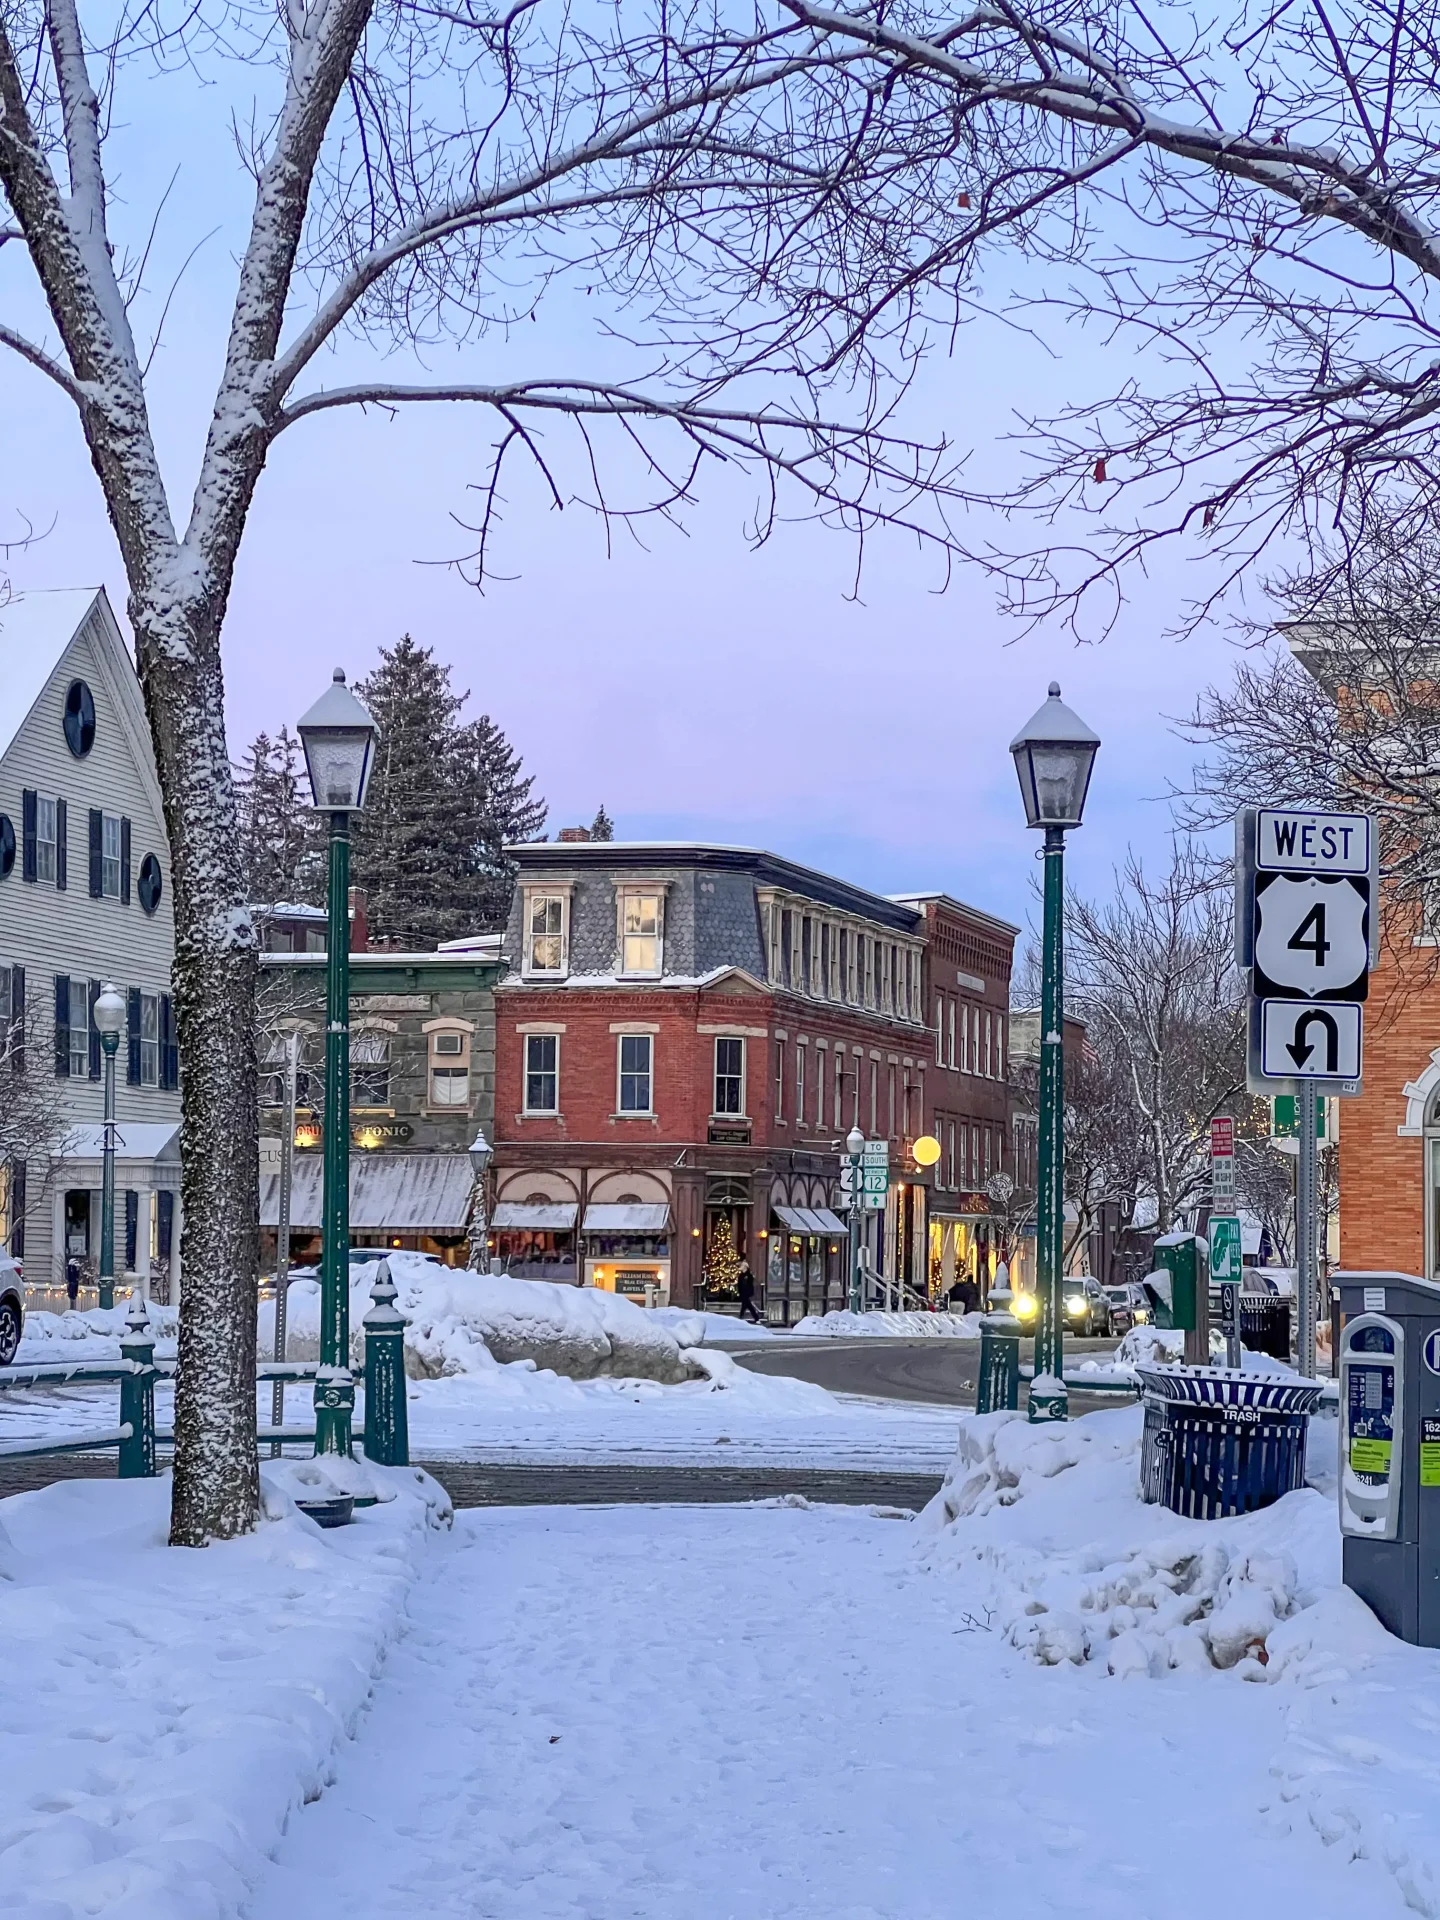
(641, 933)
(546, 931)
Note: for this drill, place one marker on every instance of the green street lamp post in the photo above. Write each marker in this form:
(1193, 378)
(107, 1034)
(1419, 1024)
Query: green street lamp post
(855, 1150)
(338, 735)
(109, 1018)
(1054, 756)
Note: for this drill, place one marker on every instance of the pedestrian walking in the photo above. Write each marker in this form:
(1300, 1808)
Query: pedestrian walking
(72, 1280)
(745, 1284)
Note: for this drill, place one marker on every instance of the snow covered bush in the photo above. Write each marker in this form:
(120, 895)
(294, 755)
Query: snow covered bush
(905, 1326)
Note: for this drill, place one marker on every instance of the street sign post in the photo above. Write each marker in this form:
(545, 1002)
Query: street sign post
(1307, 933)
(1226, 1263)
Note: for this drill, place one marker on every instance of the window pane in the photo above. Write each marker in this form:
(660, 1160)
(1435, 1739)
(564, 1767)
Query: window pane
(729, 1076)
(640, 929)
(370, 1070)
(45, 839)
(547, 930)
(542, 1075)
(449, 1087)
(79, 1029)
(110, 856)
(150, 1043)
(635, 1073)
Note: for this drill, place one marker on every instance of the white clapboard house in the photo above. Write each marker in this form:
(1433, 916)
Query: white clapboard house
(84, 899)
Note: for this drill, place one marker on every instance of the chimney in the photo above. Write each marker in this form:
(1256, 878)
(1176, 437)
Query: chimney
(359, 925)
(573, 833)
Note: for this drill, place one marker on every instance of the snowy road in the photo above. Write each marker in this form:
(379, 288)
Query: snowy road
(634, 1714)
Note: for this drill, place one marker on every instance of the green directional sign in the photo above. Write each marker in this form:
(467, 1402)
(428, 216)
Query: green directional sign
(1225, 1257)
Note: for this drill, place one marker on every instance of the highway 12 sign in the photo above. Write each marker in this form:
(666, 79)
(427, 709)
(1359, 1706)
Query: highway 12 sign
(1305, 928)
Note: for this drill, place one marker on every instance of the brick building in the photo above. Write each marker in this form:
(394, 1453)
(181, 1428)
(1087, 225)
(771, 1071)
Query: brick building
(968, 960)
(685, 1036)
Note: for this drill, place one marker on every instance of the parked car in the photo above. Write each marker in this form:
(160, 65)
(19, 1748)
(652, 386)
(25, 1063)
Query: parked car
(12, 1307)
(1129, 1306)
(1087, 1308)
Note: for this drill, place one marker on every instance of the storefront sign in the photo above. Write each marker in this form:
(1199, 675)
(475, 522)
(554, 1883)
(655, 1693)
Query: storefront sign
(729, 1136)
(371, 1134)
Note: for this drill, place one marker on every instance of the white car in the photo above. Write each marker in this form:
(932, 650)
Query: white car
(12, 1307)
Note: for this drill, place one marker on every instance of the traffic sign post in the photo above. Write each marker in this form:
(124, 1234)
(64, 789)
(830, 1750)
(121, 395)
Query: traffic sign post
(1307, 932)
(1226, 1262)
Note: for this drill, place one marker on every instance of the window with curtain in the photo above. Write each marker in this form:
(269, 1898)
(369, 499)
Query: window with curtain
(369, 1070)
(640, 933)
(545, 933)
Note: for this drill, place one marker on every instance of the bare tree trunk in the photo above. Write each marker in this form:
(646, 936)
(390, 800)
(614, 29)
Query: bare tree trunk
(216, 1490)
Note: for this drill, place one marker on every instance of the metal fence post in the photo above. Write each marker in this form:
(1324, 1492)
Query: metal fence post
(387, 1424)
(137, 1394)
(998, 1387)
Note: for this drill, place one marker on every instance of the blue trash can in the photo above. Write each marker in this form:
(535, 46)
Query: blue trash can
(1218, 1443)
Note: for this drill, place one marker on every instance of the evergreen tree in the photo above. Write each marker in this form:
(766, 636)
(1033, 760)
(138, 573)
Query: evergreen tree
(722, 1261)
(281, 835)
(602, 827)
(445, 796)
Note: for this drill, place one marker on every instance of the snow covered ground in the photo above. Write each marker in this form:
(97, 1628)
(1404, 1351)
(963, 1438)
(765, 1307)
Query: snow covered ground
(892, 1326)
(1040, 1699)
(826, 1714)
(168, 1711)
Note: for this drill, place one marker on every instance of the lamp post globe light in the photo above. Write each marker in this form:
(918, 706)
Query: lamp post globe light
(109, 1018)
(1054, 756)
(338, 735)
(481, 1154)
(855, 1151)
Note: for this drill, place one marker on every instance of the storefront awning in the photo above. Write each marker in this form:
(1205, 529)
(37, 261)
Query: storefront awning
(536, 1216)
(390, 1193)
(632, 1218)
(810, 1220)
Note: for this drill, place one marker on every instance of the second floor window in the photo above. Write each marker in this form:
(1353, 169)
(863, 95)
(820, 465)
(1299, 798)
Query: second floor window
(149, 1039)
(640, 933)
(635, 1073)
(545, 933)
(370, 1070)
(449, 1070)
(729, 1076)
(542, 1073)
(79, 1029)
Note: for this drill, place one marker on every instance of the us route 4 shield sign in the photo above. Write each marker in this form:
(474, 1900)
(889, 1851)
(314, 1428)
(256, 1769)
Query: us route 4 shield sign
(1312, 936)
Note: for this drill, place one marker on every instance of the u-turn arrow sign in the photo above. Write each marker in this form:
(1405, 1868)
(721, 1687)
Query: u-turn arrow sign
(1306, 1040)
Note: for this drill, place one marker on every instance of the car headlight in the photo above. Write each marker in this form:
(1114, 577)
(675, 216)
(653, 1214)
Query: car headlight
(1025, 1306)
(1075, 1304)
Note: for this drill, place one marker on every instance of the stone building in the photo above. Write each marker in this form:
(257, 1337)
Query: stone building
(422, 1079)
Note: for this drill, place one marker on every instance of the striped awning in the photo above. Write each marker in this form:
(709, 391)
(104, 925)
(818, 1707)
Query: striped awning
(818, 1220)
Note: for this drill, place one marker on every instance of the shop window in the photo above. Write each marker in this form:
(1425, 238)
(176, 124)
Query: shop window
(449, 1069)
(370, 1070)
(542, 1073)
(729, 1075)
(545, 933)
(636, 1056)
(640, 938)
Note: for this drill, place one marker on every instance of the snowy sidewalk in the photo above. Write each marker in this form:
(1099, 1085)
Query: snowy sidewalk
(781, 1714)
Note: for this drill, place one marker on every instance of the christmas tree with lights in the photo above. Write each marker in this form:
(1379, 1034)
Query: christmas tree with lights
(722, 1262)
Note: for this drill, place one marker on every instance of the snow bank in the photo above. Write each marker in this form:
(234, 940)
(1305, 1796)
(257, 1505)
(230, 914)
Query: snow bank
(464, 1322)
(54, 1338)
(176, 1706)
(893, 1326)
(1060, 1558)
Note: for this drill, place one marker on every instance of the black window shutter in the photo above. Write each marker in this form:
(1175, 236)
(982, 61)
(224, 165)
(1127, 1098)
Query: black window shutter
(165, 1222)
(95, 986)
(132, 1228)
(169, 1046)
(17, 1018)
(62, 846)
(17, 1210)
(62, 1025)
(132, 1037)
(29, 827)
(124, 861)
(97, 854)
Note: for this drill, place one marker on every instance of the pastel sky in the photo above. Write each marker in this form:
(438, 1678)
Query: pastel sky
(697, 688)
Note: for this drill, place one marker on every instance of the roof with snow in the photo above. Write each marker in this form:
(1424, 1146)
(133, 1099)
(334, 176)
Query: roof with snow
(35, 630)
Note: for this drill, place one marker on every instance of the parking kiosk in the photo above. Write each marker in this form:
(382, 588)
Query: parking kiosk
(1389, 1465)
